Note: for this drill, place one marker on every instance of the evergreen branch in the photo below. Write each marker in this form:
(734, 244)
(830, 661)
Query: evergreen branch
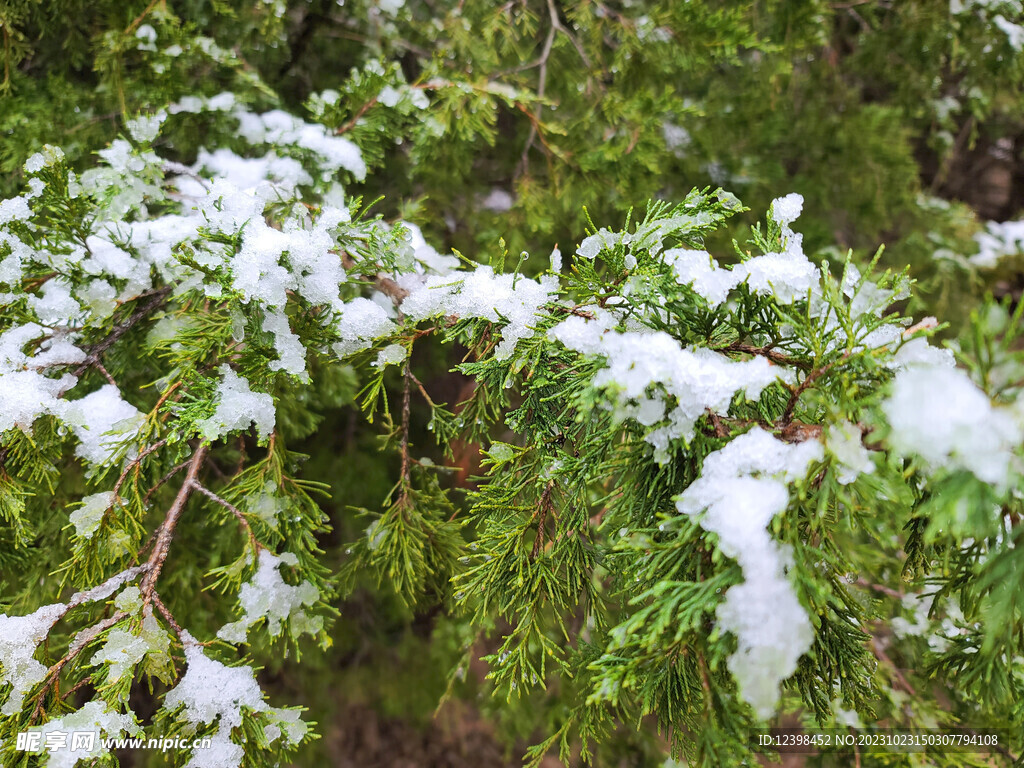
(768, 351)
(165, 533)
(543, 508)
(92, 358)
(136, 463)
(809, 379)
(256, 546)
(82, 639)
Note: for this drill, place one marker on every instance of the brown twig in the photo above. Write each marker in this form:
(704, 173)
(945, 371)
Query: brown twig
(349, 124)
(159, 483)
(155, 597)
(165, 533)
(136, 462)
(880, 588)
(809, 379)
(81, 640)
(94, 354)
(407, 379)
(543, 507)
(384, 284)
(542, 81)
(884, 658)
(138, 19)
(768, 352)
(256, 546)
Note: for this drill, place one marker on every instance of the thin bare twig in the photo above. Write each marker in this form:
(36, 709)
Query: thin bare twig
(165, 533)
(543, 507)
(256, 546)
(96, 353)
(407, 378)
(82, 639)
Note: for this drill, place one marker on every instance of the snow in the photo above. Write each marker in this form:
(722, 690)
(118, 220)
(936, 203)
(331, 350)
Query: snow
(741, 488)
(787, 276)
(1014, 32)
(257, 272)
(392, 354)
(511, 299)
(100, 297)
(333, 153)
(786, 210)
(267, 506)
(940, 415)
(101, 421)
(920, 352)
(361, 322)
(695, 379)
(145, 128)
(94, 717)
(701, 272)
(19, 638)
(53, 304)
(25, 393)
(49, 156)
(677, 138)
(291, 352)
(14, 209)
(211, 691)
(87, 518)
(427, 256)
(498, 200)
(250, 173)
(123, 650)
(268, 596)
(1000, 239)
(556, 260)
(237, 408)
(129, 600)
(601, 240)
(845, 444)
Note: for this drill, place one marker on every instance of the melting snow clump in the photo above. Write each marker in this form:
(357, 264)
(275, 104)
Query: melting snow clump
(238, 407)
(741, 488)
(267, 595)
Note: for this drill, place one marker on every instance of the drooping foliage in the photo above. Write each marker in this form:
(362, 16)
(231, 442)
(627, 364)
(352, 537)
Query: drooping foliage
(695, 470)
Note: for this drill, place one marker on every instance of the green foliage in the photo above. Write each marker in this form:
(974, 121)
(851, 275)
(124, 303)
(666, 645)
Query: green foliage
(513, 492)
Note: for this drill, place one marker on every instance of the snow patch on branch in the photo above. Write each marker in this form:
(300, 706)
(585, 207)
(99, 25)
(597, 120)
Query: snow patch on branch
(656, 381)
(211, 691)
(741, 488)
(511, 299)
(268, 596)
(94, 717)
(102, 421)
(939, 414)
(237, 408)
(19, 638)
(25, 393)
